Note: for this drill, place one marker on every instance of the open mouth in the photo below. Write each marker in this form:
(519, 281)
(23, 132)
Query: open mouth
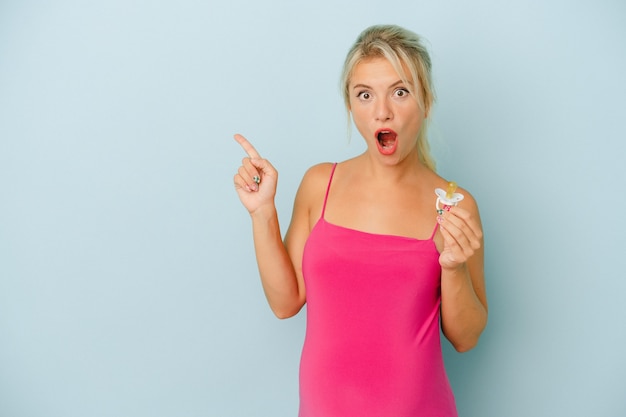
(387, 140)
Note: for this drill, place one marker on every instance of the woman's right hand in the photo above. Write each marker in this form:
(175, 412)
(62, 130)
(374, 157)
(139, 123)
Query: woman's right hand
(255, 195)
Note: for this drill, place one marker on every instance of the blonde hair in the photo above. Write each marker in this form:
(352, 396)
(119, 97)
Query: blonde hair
(405, 51)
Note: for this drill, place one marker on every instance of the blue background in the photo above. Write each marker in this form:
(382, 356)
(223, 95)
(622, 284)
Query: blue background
(128, 285)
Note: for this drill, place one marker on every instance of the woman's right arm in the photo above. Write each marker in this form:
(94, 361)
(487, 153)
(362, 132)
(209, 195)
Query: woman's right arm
(282, 282)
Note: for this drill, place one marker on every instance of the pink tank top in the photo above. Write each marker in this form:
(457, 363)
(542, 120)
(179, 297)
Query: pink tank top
(372, 345)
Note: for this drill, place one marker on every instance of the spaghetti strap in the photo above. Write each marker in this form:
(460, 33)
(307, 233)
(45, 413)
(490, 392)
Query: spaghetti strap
(434, 231)
(330, 180)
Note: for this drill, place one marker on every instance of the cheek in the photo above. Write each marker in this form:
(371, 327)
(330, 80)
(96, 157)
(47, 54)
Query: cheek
(414, 116)
(361, 124)
(358, 115)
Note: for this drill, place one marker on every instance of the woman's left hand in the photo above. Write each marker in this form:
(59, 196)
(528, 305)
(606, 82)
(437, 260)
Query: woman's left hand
(462, 237)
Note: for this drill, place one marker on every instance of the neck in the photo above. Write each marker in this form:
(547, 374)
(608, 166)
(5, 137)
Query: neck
(408, 168)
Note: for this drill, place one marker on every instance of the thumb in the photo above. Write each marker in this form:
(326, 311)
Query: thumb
(263, 165)
(257, 162)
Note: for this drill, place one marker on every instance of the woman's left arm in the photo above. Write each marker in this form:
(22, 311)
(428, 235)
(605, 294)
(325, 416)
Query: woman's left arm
(463, 295)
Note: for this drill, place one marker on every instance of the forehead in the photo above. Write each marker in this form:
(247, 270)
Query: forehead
(378, 69)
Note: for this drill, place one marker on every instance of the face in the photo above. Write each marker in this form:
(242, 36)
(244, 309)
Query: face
(384, 111)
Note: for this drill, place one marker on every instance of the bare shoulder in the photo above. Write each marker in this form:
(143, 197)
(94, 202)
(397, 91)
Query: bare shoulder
(308, 204)
(315, 181)
(319, 172)
(468, 203)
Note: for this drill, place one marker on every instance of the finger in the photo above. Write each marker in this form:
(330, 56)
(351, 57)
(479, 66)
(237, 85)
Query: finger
(259, 171)
(460, 222)
(247, 146)
(457, 234)
(469, 220)
(240, 184)
(456, 251)
(265, 168)
(251, 168)
(247, 177)
(451, 234)
(451, 248)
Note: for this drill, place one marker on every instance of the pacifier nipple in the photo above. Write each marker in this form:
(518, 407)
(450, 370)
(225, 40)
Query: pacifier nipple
(452, 186)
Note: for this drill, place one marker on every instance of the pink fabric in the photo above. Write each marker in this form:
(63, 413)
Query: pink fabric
(372, 346)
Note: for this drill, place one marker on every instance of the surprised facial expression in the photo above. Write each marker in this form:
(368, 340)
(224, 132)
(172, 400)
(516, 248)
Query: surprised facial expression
(384, 110)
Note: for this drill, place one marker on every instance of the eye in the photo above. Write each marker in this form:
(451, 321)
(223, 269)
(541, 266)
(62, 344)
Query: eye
(364, 95)
(401, 92)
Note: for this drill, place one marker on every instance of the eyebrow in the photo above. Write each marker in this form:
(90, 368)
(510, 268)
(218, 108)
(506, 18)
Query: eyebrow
(368, 87)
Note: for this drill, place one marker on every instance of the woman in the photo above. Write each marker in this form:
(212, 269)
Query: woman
(378, 266)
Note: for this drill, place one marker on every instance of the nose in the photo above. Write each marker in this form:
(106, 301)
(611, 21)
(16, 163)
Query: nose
(383, 110)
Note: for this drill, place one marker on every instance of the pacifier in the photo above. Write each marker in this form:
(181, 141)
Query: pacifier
(448, 197)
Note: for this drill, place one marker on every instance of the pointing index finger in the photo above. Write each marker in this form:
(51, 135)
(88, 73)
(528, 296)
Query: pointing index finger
(247, 146)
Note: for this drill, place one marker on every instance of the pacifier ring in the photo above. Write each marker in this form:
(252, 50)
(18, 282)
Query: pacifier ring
(442, 198)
